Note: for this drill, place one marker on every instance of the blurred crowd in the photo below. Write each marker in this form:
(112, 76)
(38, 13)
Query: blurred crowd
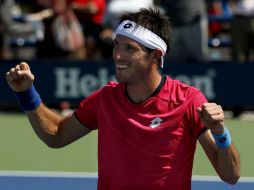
(203, 30)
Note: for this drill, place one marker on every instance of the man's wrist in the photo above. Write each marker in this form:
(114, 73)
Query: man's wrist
(29, 99)
(223, 140)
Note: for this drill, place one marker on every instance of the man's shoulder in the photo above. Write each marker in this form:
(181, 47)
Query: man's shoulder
(181, 86)
(111, 86)
(180, 91)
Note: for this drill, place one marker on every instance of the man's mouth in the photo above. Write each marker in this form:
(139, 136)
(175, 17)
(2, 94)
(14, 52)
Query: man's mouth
(121, 66)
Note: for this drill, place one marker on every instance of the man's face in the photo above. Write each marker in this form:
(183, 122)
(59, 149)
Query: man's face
(132, 60)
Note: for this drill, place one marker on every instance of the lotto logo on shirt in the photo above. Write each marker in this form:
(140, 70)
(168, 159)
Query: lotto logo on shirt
(155, 122)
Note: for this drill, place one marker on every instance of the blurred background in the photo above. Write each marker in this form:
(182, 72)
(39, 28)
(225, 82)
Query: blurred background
(68, 44)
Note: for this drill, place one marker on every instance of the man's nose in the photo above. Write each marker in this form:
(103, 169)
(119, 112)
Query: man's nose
(117, 53)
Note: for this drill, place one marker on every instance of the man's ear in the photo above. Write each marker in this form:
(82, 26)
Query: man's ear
(157, 55)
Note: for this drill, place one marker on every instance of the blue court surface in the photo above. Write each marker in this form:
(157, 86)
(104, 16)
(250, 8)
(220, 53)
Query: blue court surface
(11, 180)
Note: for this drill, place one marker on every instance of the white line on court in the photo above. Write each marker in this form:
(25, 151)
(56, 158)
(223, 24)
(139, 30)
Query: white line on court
(95, 175)
(215, 178)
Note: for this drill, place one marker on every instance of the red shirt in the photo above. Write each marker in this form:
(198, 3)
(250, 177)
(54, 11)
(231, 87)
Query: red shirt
(97, 18)
(149, 145)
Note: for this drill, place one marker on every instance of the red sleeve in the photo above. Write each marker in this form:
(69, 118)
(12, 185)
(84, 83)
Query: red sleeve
(87, 112)
(193, 121)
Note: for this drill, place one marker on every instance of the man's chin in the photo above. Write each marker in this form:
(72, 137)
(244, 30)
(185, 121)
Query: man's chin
(122, 77)
(119, 79)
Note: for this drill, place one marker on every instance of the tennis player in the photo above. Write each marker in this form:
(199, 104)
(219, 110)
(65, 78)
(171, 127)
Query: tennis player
(148, 124)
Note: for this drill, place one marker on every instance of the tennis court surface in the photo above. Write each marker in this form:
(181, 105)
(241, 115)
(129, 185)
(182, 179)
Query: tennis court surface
(12, 180)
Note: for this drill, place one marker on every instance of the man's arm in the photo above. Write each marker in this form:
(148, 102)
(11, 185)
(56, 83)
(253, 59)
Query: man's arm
(226, 161)
(56, 131)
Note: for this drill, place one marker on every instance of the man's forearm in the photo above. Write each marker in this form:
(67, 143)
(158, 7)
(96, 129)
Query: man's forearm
(228, 164)
(45, 123)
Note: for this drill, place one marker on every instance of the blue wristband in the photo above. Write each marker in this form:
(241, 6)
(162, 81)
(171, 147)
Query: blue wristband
(29, 99)
(223, 140)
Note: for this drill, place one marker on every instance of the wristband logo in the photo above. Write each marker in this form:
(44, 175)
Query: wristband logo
(222, 140)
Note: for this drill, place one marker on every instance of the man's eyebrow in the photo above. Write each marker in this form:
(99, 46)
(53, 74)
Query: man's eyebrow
(127, 44)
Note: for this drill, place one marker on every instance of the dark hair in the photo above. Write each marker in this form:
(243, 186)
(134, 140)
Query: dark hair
(153, 20)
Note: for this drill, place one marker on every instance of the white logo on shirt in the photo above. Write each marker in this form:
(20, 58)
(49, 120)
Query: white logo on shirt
(155, 122)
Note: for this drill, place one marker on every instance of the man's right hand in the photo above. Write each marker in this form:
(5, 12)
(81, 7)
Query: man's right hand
(20, 78)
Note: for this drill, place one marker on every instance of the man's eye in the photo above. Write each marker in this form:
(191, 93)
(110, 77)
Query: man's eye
(129, 47)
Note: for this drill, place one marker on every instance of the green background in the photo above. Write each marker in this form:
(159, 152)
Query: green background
(22, 150)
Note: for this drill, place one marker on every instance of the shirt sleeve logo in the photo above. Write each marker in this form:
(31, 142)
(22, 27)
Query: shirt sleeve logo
(155, 122)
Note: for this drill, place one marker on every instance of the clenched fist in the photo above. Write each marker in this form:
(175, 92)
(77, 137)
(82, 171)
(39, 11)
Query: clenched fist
(20, 77)
(212, 116)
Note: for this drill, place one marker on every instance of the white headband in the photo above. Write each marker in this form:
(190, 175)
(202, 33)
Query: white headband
(143, 36)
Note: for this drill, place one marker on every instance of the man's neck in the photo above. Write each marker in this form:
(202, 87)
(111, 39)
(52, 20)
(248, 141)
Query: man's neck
(140, 92)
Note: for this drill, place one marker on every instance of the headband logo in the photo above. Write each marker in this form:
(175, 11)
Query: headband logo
(127, 25)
